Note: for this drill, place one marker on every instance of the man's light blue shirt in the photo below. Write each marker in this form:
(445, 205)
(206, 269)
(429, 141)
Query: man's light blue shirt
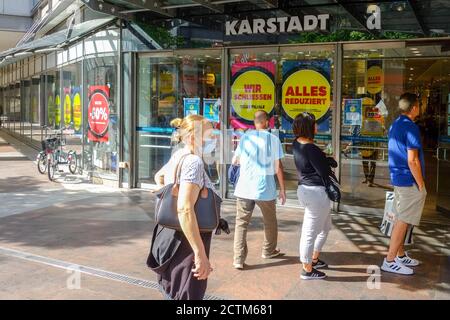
(257, 152)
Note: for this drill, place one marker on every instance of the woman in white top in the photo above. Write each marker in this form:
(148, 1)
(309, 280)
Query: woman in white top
(184, 270)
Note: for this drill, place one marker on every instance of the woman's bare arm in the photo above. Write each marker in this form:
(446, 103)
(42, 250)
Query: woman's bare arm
(187, 197)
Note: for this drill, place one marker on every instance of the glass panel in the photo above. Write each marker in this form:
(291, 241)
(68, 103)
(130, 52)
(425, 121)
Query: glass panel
(443, 153)
(171, 87)
(371, 87)
(132, 39)
(72, 106)
(53, 100)
(36, 131)
(127, 113)
(16, 108)
(284, 82)
(26, 108)
(2, 108)
(100, 112)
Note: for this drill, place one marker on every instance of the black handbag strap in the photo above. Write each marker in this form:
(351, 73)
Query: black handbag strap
(178, 169)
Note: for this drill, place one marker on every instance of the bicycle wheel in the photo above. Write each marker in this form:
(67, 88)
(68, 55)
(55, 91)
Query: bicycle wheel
(51, 168)
(42, 163)
(72, 160)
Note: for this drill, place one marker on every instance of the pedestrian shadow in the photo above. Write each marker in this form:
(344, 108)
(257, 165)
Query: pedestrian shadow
(76, 220)
(20, 184)
(432, 272)
(276, 262)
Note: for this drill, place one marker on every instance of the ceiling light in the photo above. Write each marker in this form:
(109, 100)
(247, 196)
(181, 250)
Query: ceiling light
(411, 68)
(398, 6)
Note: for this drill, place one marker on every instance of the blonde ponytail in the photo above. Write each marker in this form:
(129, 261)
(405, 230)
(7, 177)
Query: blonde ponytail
(176, 123)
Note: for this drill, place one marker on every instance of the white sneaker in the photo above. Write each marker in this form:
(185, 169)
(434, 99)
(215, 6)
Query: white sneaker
(396, 267)
(238, 266)
(407, 261)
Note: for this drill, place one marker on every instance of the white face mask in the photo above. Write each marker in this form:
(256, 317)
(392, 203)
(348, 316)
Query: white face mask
(209, 146)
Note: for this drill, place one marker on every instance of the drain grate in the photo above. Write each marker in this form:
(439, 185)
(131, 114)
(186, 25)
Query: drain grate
(87, 270)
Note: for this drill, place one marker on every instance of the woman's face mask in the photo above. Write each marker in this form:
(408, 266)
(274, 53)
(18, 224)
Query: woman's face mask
(209, 145)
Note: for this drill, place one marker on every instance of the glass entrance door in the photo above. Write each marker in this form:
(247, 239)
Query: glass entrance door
(172, 85)
(373, 80)
(443, 149)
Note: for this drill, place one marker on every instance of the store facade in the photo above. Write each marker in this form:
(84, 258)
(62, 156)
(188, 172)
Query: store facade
(139, 79)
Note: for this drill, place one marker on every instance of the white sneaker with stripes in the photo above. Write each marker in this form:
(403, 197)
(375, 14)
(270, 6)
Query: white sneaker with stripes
(396, 267)
(407, 261)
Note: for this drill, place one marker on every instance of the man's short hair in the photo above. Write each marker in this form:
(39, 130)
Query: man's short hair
(407, 102)
(261, 116)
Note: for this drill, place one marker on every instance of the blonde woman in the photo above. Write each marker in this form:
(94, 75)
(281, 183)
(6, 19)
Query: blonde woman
(182, 258)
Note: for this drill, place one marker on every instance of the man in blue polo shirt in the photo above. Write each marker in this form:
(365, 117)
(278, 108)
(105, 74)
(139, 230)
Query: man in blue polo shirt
(407, 169)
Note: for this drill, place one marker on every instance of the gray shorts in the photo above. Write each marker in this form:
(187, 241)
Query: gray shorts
(409, 203)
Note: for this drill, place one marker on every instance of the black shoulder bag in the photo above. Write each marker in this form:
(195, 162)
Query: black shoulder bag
(207, 207)
(332, 187)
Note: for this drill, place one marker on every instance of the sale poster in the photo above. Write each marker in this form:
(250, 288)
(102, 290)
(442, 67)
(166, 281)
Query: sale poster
(51, 110)
(252, 89)
(306, 88)
(374, 76)
(189, 77)
(191, 106)
(77, 109)
(57, 111)
(98, 113)
(67, 107)
(372, 120)
(211, 109)
(353, 112)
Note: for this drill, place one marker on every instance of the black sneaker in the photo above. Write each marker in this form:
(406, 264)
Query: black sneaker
(319, 264)
(313, 275)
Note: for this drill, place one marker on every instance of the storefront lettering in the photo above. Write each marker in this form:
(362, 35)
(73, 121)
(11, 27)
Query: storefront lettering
(305, 101)
(280, 24)
(306, 91)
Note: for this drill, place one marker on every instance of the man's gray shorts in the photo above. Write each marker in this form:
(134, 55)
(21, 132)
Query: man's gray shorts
(409, 203)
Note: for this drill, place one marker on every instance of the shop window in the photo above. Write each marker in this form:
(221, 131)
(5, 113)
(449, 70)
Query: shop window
(170, 87)
(283, 82)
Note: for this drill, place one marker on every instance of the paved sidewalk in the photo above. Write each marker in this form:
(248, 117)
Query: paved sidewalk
(48, 229)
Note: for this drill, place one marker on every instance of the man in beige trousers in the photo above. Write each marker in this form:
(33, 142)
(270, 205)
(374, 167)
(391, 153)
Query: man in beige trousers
(259, 155)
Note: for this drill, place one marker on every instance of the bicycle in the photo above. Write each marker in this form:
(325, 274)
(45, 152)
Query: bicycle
(57, 156)
(41, 158)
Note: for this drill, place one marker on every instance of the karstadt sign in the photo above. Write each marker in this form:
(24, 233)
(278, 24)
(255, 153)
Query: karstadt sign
(295, 23)
(277, 25)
